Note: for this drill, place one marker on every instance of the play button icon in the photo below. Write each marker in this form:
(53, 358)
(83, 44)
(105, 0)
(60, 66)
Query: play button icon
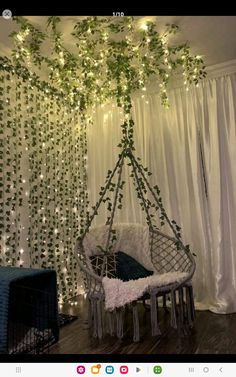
(138, 369)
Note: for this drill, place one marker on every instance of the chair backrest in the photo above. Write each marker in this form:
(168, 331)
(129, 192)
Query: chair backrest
(166, 257)
(131, 238)
(153, 249)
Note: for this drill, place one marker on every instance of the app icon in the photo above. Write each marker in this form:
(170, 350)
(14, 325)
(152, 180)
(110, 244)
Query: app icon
(138, 369)
(157, 369)
(124, 369)
(109, 369)
(95, 369)
(80, 369)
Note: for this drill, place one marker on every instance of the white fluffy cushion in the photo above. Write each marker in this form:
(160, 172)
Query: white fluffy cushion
(132, 239)
(119, 293)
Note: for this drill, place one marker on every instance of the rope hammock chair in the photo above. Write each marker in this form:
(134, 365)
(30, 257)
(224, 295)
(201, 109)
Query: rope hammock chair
(173, 262)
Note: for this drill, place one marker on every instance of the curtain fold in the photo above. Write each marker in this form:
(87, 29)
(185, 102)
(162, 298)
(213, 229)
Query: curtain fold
(191, 151)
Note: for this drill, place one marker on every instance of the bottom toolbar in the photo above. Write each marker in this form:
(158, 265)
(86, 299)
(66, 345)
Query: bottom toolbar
(117, 369)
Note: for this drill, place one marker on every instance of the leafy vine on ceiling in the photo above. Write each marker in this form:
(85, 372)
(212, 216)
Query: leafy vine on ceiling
(111, 58)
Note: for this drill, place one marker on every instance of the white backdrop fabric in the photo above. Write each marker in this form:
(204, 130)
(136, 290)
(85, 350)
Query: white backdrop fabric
(197, 134)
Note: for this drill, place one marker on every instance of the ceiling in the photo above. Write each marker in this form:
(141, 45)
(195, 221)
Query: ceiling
(213, 37)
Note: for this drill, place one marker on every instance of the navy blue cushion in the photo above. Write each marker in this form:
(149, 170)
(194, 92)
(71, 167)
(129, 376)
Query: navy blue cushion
(127, 268)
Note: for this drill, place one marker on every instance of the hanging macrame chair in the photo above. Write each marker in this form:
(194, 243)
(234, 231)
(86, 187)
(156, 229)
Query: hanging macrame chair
(167, 254)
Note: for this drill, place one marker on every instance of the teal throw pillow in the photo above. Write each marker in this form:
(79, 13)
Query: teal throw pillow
(128, 268)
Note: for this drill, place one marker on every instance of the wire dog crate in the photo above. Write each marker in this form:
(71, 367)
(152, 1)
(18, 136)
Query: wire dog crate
(32, 325)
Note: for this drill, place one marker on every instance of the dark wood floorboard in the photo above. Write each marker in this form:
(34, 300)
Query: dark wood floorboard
(212, 334)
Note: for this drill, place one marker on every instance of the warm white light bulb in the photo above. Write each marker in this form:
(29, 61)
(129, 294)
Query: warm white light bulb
(20, 37)
(144, 26)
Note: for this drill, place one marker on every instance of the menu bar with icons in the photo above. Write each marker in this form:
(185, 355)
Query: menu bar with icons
(118, 369)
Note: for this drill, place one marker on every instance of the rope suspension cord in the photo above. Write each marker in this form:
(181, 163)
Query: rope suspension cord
(101, 197)
(140, 190)
(158, 202)
(115, 199)
(108, 246)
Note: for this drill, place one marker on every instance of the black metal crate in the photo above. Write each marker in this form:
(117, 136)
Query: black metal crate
(32, 319)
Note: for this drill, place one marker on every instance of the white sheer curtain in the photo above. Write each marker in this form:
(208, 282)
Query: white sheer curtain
(191, 151)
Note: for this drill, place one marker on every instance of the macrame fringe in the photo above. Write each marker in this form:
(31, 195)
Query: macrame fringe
(181, 306)
(99, 319)
(90, 313)
(173, 309)
(94, 316)
(164, 305)
(154, 324)
(136, 331)
(110, 323)
(119, 323)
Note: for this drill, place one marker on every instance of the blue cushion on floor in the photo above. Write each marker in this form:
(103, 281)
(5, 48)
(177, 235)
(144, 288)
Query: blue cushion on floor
(128, 268)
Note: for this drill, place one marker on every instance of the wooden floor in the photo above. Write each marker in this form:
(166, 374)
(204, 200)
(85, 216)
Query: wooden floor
(212, 334)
